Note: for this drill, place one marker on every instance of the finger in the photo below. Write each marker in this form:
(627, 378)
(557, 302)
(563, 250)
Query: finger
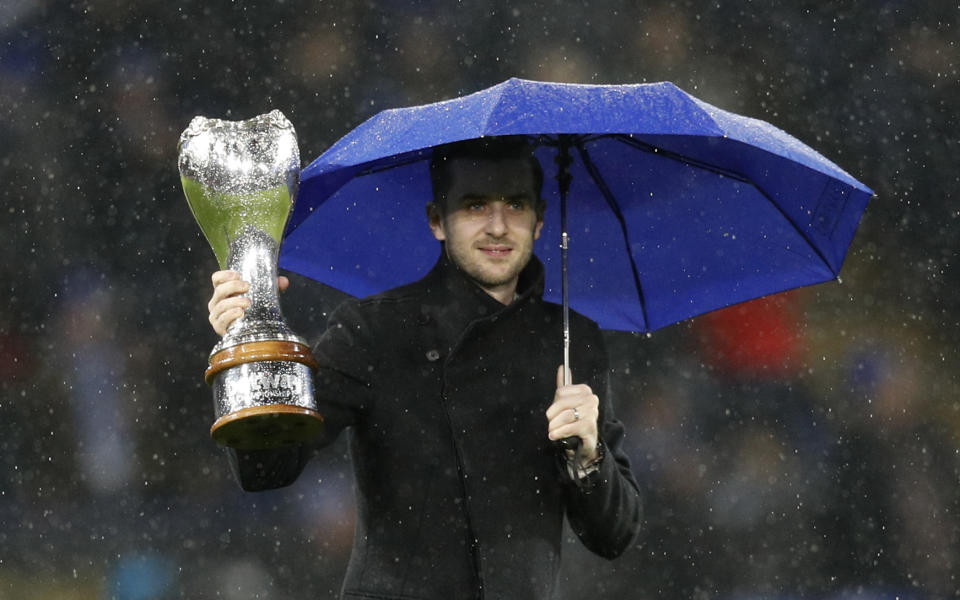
(231, 288)
(571, 415)
(560, 380)
(283, 283)
(223, 276)
(583, 430)
(224, 311)
(571, 391)
(583, 412)
(587, 405)
(568, 419)
(227, 283)
(225, 319)
(226, 290)
(570, 396)
(562, 403)
(228, 304)
(558, 406)
(588, 442)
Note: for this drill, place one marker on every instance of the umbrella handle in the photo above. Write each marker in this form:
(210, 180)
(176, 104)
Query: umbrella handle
(572, 443)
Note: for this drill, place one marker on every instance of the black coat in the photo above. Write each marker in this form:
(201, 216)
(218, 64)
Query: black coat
(460, 493)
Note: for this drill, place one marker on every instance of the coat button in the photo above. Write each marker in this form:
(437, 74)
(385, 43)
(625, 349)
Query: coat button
(433, 355)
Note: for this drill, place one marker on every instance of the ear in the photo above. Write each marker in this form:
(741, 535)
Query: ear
(435, 219)
(541, 208)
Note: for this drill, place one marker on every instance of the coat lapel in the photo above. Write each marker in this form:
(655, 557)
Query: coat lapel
(454, 304)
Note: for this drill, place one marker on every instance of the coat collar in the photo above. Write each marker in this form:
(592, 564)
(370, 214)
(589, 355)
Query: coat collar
(457, 303)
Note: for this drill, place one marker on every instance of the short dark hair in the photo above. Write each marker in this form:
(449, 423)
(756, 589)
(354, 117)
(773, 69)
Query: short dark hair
(507, 147)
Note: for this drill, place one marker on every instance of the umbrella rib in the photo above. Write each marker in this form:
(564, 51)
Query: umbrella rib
(645, 147)
(630, 141)
(615, 208)
(414, 157)
(799, 231)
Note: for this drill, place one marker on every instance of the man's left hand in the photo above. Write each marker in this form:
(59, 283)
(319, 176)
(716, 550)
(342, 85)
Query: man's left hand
(574, 412)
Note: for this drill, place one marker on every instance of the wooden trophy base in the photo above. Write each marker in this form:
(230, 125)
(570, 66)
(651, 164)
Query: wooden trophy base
(266, 427)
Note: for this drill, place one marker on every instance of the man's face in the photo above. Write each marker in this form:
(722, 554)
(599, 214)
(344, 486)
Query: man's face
(490, 222)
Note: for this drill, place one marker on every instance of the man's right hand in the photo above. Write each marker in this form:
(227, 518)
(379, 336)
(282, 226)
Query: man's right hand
(228, 302)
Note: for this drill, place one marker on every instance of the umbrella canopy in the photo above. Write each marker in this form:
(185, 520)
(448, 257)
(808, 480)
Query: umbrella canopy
(676, 207)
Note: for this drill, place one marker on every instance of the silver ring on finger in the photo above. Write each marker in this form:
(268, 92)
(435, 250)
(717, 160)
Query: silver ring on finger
(576, 414)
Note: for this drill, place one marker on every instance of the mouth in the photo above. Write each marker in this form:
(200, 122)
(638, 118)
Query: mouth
(496, 251)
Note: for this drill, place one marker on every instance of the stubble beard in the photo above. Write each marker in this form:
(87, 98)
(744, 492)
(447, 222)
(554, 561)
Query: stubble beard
(475, 269)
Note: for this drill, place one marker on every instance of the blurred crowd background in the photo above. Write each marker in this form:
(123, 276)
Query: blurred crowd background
(801, 446)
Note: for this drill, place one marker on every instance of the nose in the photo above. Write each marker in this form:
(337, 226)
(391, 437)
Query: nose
(497, 219)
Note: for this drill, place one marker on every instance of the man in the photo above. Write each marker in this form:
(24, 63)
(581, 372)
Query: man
(451, 390)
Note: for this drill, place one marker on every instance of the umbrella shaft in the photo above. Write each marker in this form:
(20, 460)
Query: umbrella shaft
(563, 160)
(564, 242)
(570, 444)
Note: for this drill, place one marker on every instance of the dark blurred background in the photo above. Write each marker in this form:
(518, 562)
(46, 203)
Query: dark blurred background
(803, 446)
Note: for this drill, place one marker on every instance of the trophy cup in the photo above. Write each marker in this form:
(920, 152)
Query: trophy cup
(240, 179)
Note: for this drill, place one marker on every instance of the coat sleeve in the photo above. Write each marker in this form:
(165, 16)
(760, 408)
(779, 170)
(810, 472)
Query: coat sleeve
(605, 508)
(342, 389)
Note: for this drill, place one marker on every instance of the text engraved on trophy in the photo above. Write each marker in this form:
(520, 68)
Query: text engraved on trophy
(271, 387)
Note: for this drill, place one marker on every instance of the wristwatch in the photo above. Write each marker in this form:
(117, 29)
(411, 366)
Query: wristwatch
(579, 471)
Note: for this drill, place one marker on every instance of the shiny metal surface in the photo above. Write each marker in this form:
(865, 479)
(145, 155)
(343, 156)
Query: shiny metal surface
(240, 179)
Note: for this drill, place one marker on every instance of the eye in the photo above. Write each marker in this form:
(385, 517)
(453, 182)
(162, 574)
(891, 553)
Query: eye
(518, 204)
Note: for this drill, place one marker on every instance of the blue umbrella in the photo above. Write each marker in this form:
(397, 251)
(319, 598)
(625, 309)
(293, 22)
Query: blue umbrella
(676, 207)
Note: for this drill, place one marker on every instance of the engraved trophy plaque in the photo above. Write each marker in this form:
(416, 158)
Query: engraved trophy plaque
(240, 179)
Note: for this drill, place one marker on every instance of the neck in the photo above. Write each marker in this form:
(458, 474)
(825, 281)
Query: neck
(504, 294)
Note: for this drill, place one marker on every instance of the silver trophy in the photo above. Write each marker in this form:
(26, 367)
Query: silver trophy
(240, 179)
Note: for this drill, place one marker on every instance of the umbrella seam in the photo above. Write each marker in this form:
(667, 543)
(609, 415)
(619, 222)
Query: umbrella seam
(648, 147)
(797, 227)
(485, 124)
(618, 214)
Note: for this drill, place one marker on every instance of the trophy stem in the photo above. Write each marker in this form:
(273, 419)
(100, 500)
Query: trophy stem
(254, 256)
